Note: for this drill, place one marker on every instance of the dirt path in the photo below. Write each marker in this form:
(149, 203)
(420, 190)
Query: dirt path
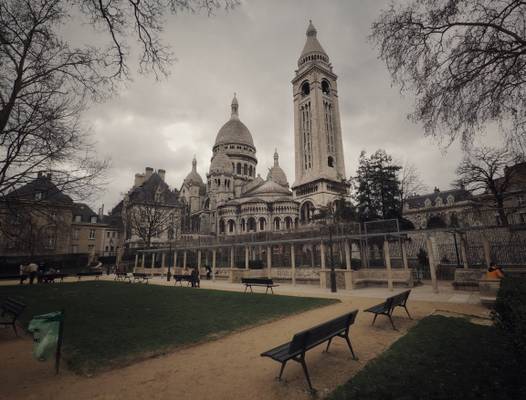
(228, 368)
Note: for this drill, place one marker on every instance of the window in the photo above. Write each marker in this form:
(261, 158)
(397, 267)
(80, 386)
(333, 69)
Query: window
(38, 196)
(92, 234)
(305, 88)
(93, 220)
(325, 87)
(108, 234)
(78, 218)
(330, 162)
(76, 234)
(245, 169)
(521, 201)
(239, 168)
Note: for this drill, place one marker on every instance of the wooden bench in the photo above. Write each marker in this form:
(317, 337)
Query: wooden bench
(14, 277)
(387, 307)
(265, 282)
(50, 277)
(11, 310)
(308, 339)
(192, 281)
(140, 277)
(96, 274)
(122, 276)
(467, 279)
(379, 277)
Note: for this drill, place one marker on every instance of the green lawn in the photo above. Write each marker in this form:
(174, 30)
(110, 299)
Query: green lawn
(440, 358)
(108, 324)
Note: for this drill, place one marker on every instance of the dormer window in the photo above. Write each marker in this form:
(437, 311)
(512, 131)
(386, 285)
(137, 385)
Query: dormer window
(78, 218)
(427, 203)
(38, 196)
(93, 220)
(438, 202)
(450, 199)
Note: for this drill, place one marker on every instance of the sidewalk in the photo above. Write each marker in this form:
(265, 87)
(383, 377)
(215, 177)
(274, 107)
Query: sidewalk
(446, 293)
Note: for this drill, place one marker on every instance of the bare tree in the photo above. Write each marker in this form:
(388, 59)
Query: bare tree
(150, 220)
(410, 182)
(464, 59)
(487, 169)
(46, 82)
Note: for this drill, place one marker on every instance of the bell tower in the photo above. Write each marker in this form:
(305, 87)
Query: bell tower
(319, 164)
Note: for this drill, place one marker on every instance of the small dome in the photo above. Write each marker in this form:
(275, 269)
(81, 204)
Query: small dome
(193, 178)
(234, 131)
(270, 188)
(221, 164)
(276, 173)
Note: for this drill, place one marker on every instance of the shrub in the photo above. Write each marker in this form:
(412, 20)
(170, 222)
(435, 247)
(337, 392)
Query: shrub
(509, 315)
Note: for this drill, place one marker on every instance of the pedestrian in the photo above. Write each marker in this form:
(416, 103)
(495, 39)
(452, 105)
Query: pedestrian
(32, 268)
(208, 272)
(494, 272)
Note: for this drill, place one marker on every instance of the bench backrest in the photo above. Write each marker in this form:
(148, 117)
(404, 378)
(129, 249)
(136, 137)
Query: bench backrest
(12, 307)
(397, 300)
(261, 281)
(319, 333)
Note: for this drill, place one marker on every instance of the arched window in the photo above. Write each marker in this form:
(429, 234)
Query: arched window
(239, 168)
(231, 226)
(243, 225)
(262, 224)
(306, 212)
(245, 169)
(251, 225)
(325, 87)
(330, 162)
(305, 88)
(288, 223)
(276, 223)
(250, 170)
(221, 226)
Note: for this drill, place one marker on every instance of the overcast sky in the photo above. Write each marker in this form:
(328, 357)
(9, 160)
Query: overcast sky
(253, 51)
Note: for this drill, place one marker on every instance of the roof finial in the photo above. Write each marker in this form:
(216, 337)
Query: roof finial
(194, 163)
(235, 107)
(276, 157)
(311, 30)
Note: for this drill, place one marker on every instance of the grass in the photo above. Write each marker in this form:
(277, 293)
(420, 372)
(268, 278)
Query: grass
(440, 358)
(109, 324)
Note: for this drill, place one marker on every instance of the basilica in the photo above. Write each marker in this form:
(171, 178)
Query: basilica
(235, 199)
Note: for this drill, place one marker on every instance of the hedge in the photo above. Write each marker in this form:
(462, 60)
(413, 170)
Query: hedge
(509, 315)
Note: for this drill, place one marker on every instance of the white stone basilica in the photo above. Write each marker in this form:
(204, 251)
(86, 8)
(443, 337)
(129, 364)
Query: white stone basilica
(237, 200)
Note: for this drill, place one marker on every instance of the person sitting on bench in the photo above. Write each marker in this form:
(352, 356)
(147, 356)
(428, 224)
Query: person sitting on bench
(494, 272)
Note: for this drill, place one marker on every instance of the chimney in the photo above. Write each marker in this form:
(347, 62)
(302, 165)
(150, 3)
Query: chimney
(39, 174)
(139, 180)
(161, 173)
(436, 189)
(148, 172)
(101, 212)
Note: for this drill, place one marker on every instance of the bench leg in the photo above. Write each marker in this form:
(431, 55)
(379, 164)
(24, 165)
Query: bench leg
(350, 346)
(271, 290)
(14, 328)
(251, 291)
(281, 370)
(266, 291)
(246, 287)
(409, 315)
(374, 319)
(306, 371)
(328, 344)
(392, 323)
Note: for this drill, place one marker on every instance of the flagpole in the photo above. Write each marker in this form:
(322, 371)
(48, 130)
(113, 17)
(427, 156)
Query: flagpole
(59, 342)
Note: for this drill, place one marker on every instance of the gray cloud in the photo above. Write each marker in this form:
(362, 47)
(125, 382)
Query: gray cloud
(253, 51)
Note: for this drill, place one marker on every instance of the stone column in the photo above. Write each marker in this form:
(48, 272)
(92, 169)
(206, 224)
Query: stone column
(269, 262)
(464, 250)
(175, 260)
(322, 256)
(214, 252)
(404, 255)
(153, 260)
(432, 264)
(199, 259)
(184, 259)
(232, 264)
(293, 263)
(487, 251)
(163, 260)
(136, 260)
(143, 262)
(247, 255)
(347, 248)
(387, 256)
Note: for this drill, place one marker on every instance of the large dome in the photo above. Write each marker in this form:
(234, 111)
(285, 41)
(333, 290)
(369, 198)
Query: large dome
(276, 173)
(193, 178)
(234, 131)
